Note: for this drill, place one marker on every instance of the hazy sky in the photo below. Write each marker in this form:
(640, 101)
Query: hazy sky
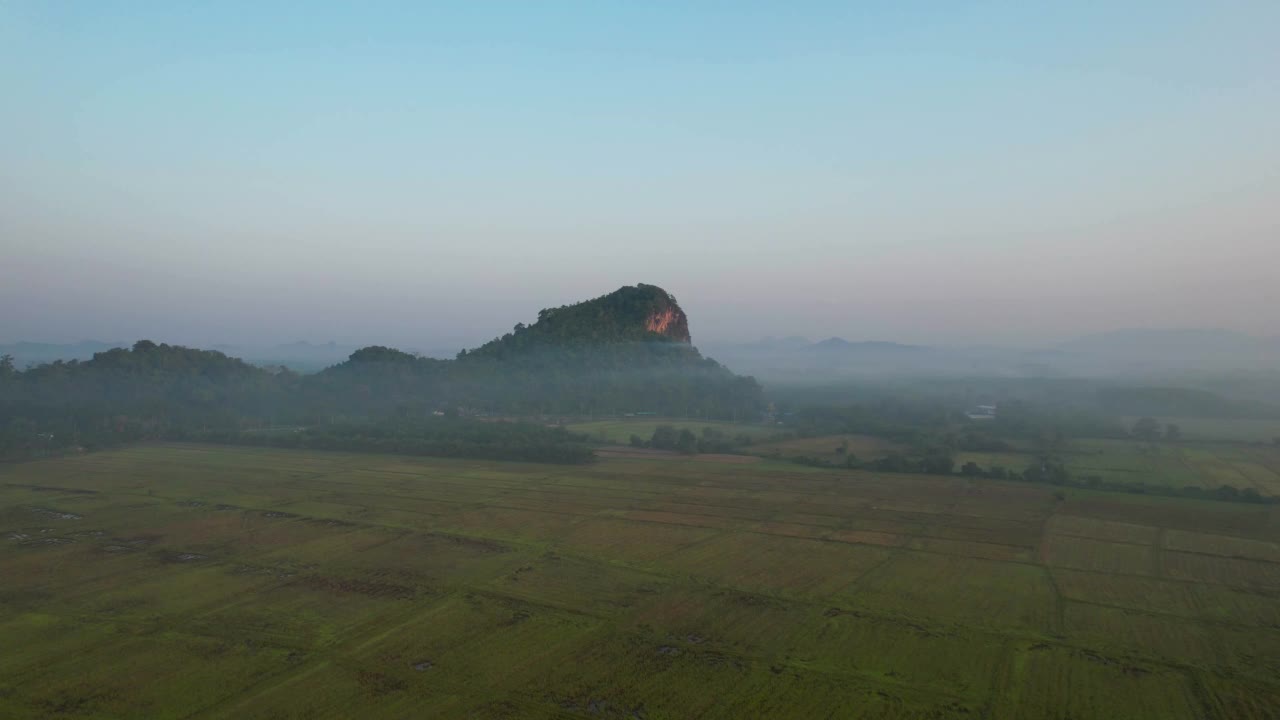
(429, 174)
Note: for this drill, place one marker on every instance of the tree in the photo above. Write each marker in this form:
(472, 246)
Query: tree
(1047, 470)
(664, 438)
(938, 463)
(687, 442)
(1147, 428)
(971, 469)
(1172, 432)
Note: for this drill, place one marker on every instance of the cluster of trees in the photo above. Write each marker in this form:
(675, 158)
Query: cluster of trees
(439, 437)
(1047, 470)
(710, 440)
(125, 395)
(1053, 471)
(932, 433)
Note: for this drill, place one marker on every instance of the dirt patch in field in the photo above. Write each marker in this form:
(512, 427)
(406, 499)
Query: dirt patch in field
(181, 557)
(376, 683)
(50, 488)
(330, 522)
(604, 708)
(342, 586)
(1127, 669)
(277, 515)
(487, 546)
(915, 627)
(837, 612)
(191, 503)
(423, 665)
(39, 540)
(57, 514)
(869, 537)
(282, 572)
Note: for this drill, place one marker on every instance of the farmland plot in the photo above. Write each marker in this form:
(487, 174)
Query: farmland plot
(185, 581)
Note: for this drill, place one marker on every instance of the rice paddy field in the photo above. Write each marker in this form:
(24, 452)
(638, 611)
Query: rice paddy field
(827, 447)
(189, 581)
(1204, 464)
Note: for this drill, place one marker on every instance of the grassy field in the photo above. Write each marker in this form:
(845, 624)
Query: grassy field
(188, 581)
(864, 447)
(1231, 430)
(1205, 464)
(620, 430)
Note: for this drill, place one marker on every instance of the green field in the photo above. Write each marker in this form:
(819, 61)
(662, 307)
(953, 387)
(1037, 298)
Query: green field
(1204, 464)
(620, 430)
(1231, 430)
(189, 581)
(863, 447)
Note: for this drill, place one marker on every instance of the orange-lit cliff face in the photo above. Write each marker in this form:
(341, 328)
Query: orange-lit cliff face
(670, 322)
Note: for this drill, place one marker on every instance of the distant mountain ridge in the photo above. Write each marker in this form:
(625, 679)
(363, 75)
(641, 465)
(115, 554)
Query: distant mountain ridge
(29, 353)
(647, 313)
(1118, 353)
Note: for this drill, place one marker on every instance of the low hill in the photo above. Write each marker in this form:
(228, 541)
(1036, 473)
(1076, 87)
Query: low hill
(627, 351)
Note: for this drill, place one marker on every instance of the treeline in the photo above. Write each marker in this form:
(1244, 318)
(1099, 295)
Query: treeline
(933, 432)
(710, 440)
(437, 437)
(126, 395)
(155, 391)
(666, 378)
(1046, 470)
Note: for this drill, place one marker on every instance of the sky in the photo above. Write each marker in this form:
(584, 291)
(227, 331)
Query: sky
(429, 174)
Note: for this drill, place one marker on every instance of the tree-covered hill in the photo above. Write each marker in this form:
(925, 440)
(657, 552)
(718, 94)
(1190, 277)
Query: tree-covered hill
(631, 314)
(628, 351)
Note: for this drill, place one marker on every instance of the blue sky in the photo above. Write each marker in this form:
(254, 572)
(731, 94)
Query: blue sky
(427, 174)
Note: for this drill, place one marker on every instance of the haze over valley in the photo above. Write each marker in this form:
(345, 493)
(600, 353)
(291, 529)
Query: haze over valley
(640, 361)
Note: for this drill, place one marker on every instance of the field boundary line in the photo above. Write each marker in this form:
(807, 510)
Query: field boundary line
(1157, 554)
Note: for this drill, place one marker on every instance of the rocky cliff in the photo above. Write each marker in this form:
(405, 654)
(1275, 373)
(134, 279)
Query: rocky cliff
(670, 322)
(639, 313)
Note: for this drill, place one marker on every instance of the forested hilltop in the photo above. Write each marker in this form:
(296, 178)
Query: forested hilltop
(628, 351)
